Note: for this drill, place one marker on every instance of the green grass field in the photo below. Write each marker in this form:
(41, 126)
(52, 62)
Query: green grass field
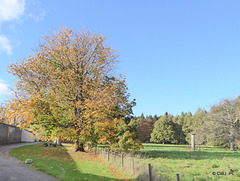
(65, 164)
(169, 160)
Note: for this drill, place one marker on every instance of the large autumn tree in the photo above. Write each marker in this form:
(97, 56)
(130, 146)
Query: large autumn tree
(68, 87)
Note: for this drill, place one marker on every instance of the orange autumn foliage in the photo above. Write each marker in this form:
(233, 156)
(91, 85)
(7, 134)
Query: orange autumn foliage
(68, 87)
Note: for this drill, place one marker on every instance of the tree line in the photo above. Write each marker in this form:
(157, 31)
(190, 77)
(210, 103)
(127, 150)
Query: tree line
(218, 127)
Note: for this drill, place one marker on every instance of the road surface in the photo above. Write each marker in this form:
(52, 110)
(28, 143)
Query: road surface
(12, 170)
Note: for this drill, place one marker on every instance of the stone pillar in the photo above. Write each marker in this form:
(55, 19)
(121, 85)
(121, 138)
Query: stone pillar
(193, 142)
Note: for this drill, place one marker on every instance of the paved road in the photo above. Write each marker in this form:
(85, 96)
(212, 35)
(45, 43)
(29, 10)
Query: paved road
(12, 170)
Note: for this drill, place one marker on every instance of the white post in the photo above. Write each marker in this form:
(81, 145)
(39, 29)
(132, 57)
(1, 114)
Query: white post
(193, 142)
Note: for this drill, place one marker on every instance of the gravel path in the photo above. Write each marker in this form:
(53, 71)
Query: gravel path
(12, 170)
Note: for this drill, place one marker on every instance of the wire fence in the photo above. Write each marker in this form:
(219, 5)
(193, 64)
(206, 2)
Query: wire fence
(130, 163)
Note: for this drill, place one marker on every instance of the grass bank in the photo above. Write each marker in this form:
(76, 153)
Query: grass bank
(65, 164)
(208, 164)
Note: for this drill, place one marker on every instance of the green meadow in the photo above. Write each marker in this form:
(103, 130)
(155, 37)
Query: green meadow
(206, 164)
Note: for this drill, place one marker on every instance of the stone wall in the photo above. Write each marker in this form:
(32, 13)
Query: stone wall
(9, 134)
(27, 136)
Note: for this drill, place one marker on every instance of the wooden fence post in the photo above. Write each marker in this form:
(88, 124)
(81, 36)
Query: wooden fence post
(133, 166)
(122, 160)
(150, 172)
(177, 177)
(108, 155)
(104, 153)
(115, 156)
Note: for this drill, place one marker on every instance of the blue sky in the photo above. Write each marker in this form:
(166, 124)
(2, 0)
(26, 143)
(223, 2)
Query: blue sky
(176, 55)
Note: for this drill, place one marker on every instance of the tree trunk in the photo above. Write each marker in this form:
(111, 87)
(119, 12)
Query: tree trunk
(79, 146)
(58, 141)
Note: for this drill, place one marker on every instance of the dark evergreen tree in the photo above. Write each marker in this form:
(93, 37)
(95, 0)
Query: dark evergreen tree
(199, 126)
(180, 136)
(155, 118)
(149, 117)
(142, 117)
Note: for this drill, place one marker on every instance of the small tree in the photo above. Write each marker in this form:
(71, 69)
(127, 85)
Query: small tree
(164, 130)
(128, 136)
(145, 129)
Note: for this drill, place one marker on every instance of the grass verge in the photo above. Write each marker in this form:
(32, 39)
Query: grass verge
(65, 164)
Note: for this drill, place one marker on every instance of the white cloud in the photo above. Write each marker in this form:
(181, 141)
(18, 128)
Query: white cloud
(35, 11)
(5, 46)
(4, 90)
(37, 17)
(11, 9)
